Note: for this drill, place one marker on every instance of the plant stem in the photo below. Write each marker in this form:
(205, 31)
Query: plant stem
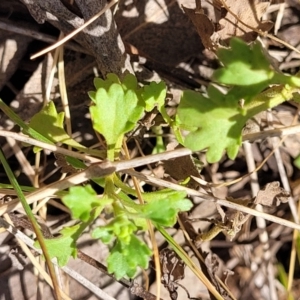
(270, 98)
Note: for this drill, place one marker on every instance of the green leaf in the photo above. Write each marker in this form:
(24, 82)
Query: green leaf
(120, 227)
(297, 162)
(282, 275)
(217, 123)
(154, 94)
(110, 79)
(140, 223)
(26, 129)
(64, 247)
(50, 124)
(74, 162)
(125, 258)
(130, 83)
(243, 64)
(116, 111)
(163, 209)
(104, 234)
(83, 200)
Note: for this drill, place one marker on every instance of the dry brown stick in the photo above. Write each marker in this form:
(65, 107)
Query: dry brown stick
(113, 57)
(94, 171)
(226, 203)
(25, 29)
(101, 38)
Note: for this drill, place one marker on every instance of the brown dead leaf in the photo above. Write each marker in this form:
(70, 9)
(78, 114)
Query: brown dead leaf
(172, 270)
(230, 226)
(249, 12)
(272, 195)
(213, 265)
(204, 26)
(181, 168)
(231, 19)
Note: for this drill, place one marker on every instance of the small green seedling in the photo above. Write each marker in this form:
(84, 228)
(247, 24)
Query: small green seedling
(214, 122)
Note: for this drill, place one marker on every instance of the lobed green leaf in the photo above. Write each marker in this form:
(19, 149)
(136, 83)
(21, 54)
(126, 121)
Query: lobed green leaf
(120, 227)
(243, 64)
(83, 200)
(116, 112)
(154, 94)
(50, 124)
(163, 209)
(125, 258)
(63, 247)
(215, 122)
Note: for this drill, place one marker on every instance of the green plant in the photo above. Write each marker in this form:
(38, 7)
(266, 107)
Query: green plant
(118, 106)
(214, 122)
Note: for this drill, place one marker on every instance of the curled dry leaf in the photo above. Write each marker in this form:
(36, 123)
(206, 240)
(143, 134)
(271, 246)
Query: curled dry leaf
(213, 265)
(172, 270)
(231, 224)
(232, 220)
(232, 19)
(204, 26)
(272, 195)
(18, 259)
